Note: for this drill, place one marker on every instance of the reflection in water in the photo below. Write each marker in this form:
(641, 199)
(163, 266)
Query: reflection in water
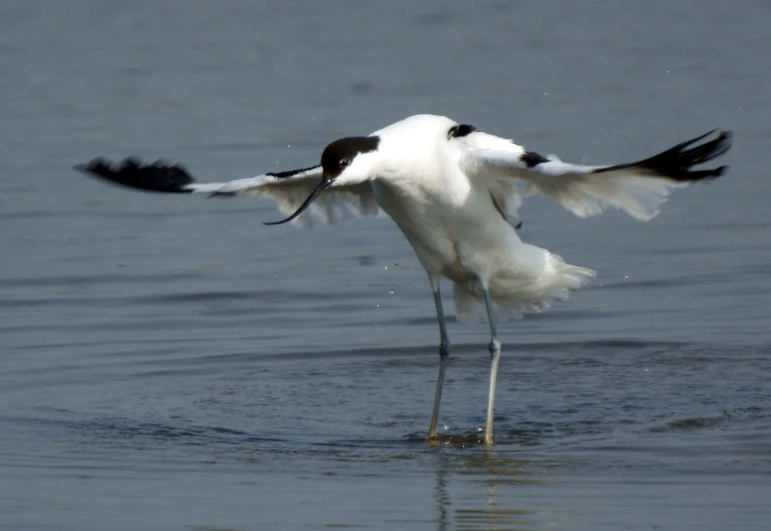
(443, 500)
(494, 473)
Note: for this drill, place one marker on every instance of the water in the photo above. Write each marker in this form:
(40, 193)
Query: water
(170, 363)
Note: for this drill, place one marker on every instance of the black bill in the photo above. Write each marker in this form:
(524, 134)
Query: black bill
(323, 185)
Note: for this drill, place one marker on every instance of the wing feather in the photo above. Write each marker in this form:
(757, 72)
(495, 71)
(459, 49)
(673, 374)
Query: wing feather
(637, 188)
(288, 188)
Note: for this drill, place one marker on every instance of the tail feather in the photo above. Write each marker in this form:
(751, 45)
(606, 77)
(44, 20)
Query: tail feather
(515, 296)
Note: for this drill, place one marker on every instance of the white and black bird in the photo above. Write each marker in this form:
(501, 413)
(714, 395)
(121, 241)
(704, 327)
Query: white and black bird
(454, 192)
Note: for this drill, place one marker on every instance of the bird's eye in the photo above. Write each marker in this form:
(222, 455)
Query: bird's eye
(344, 163)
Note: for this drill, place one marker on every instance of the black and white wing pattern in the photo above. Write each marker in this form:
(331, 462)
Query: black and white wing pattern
(288, 188)
(638, 188)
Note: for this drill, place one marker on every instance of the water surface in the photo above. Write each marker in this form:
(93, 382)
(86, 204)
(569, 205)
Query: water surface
(171, 363)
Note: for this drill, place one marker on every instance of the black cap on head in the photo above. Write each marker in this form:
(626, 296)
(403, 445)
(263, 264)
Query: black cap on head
(335, 158)
(340, 153)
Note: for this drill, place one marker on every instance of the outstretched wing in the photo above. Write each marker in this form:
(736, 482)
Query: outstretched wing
(638, 188)
(288, 189)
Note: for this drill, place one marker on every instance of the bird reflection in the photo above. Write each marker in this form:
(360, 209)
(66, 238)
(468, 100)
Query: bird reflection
(478, 480)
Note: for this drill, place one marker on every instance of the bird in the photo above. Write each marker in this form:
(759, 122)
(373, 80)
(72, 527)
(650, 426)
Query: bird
(455, 192)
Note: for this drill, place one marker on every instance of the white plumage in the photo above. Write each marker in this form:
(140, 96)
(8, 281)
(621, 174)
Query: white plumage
(455, 193)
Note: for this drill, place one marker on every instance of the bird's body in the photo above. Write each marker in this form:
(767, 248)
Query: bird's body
(454, 225)
(455, 192)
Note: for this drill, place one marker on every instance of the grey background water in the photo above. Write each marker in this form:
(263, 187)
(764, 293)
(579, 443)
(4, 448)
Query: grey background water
(168, 362)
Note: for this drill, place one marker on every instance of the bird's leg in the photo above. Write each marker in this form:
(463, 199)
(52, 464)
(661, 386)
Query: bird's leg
(495, 356)
(444, 355)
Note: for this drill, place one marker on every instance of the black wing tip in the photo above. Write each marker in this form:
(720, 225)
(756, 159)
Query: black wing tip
(676, 163)
(160, 176)
(718, 172)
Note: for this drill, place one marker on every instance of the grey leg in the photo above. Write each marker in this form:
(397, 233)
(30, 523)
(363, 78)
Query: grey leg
(495, 356)
(444, 354)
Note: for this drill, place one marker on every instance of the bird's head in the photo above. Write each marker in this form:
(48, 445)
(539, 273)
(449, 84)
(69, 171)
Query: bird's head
(344, 162)
(349, 160)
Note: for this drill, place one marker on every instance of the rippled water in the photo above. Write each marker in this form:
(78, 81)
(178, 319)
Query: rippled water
(169, 362)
